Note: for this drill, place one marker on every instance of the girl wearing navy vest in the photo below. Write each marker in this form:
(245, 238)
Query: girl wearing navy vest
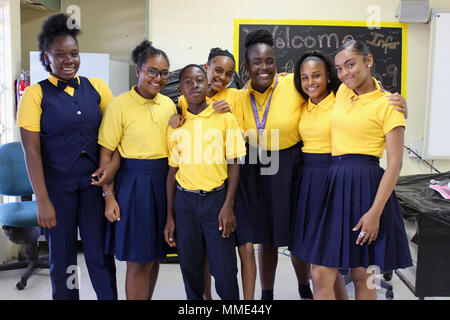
(59, 119)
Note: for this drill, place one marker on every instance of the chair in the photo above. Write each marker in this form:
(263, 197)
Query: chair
(19, 219)
(387, 276)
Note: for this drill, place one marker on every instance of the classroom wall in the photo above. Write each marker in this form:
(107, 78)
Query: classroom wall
(187, 30)
(113, 27)
(7, 248)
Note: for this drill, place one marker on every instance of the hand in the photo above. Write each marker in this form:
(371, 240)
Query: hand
(221, 106)
(227, 221)
(46, 214)
(169, 231)
(400, 103)
(103, 175)
(369, 225)
(282, 74)
(112, 210)
(176, 121)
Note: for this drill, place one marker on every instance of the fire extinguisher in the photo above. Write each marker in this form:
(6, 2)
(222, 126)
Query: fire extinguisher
(22, 82)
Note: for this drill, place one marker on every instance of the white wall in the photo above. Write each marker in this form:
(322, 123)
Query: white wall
(7, 249)
(187, 30)
(113, 27)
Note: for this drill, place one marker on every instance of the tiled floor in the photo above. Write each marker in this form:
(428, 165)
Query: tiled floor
(170, 284)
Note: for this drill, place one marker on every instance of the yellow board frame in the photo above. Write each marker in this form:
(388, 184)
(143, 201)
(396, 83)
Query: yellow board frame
(339, 23)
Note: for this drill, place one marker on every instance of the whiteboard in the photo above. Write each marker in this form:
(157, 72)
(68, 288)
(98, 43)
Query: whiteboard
(437, 115)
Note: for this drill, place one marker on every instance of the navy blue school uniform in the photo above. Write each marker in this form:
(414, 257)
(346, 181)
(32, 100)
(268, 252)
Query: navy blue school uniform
(351, 187)
(359, 125)
(137, 127)
(270, 121)
(68, 128)
(314, 128)
(138, 236)
(265, 203)
(198, 236)
(200, 196)
(314, 173)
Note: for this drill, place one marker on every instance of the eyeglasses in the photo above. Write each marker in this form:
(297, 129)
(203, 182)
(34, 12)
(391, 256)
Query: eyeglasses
(153, 73)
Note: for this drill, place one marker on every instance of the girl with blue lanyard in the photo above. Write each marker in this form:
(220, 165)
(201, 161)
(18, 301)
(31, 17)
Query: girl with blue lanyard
(268, 112)
(136, 123)
(358, 219)
(59, 119)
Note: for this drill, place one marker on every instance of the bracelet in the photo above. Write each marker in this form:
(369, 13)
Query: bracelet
(107, 193)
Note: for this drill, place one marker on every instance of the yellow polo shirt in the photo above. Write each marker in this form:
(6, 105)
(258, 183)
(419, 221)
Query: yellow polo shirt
(137, 126)
(359, 123)
(281, 131)
(201, 147)
(314, 125)
(29, 113)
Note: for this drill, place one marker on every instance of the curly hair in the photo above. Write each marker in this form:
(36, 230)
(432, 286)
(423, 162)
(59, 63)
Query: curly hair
(55, 26)
(260, 36)
(334, 83)
(145, 50)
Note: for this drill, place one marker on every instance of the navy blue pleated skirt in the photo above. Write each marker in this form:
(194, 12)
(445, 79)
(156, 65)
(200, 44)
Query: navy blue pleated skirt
(267, 196)
(314, 173)
(140, 189)
(349, 192)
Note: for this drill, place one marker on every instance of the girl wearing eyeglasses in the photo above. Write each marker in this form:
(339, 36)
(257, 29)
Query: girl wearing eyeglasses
(135, 123)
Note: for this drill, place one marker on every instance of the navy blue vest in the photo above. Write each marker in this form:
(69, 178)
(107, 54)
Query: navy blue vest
(69, 125)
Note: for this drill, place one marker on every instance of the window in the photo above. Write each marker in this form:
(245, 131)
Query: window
(7, 96)
(7, 92)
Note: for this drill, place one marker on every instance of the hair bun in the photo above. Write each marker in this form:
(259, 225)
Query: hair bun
(55, 26)
(144, 50)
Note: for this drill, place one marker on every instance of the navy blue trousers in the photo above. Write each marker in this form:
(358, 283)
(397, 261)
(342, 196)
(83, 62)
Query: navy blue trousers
(78, 204)
(198, 236)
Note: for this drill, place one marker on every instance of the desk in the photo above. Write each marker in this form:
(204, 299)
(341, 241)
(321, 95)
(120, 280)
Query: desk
(430, 275)
(431, 214)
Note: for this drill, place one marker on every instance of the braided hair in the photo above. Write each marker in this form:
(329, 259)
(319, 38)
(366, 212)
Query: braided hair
(260, 36)
(55, 26)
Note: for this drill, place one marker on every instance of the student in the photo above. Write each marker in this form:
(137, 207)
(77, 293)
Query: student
(201, 189)
(59, 119)
(273, 103)
(136, 123)
(219, 69)
(316, 80)
(360, 220)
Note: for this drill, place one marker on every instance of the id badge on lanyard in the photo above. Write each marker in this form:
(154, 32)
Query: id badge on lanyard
(261, 124)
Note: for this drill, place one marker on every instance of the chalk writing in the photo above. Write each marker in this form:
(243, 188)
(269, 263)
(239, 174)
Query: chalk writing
(379, 40)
